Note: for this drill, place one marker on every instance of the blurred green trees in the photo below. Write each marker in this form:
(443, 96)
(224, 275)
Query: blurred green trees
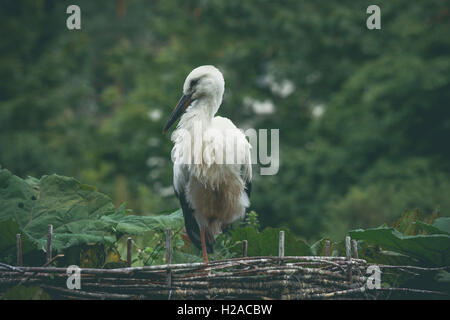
(363, 114)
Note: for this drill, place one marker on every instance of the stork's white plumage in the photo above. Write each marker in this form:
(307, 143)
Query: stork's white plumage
(212, 175)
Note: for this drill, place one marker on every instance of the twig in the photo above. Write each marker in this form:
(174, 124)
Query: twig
(44, 266)
(297, 277)
(414, 267)
(414, 291)
(7, 266)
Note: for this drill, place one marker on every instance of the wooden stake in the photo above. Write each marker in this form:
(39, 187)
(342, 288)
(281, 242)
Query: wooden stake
(169, 255)
(244, 248)
(327, 248)
(19, 249)
(348, 257)
(281, 245)
(49, 242)
(129, 243)
(355, 249)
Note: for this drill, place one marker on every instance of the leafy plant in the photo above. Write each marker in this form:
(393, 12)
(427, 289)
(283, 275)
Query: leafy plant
(75, 210)
(416, 240)
(430, 248)
(86, 226)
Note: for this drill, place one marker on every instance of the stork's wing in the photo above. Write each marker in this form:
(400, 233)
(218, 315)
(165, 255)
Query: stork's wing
(181, 180)
(224, 124)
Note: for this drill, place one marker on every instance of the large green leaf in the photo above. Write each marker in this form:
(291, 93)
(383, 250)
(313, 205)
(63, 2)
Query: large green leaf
(442, 224)
(432, 249)
(429, 229)
(133, 224)
(74, 210)
(148, 234)
(439, 226)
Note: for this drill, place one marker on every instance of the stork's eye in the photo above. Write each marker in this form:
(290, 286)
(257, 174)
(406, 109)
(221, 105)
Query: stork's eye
(193, 83)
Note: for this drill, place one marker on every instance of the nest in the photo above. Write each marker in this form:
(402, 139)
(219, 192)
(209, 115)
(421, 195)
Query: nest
(306, 277)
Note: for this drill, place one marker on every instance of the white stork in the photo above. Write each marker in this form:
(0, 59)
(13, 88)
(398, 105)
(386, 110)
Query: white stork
(213, 191)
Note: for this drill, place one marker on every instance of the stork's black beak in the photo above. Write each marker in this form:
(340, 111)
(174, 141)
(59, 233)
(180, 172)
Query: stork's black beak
(181, 107)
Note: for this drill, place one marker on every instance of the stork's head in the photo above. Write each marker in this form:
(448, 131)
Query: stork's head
(205, 84)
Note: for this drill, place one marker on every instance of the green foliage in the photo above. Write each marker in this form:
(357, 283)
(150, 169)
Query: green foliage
(91, 233)
(148, 233)
(252, 220)
(135, 225)
(432, 250)
(439, 226)
(86, 226)
(74, 209)
(415, 239)
(421, 239)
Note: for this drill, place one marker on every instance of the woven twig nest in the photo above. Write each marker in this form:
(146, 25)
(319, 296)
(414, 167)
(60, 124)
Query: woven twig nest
(307, 277)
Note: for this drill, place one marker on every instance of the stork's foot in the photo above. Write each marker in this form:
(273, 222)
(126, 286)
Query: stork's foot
(204, 252)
